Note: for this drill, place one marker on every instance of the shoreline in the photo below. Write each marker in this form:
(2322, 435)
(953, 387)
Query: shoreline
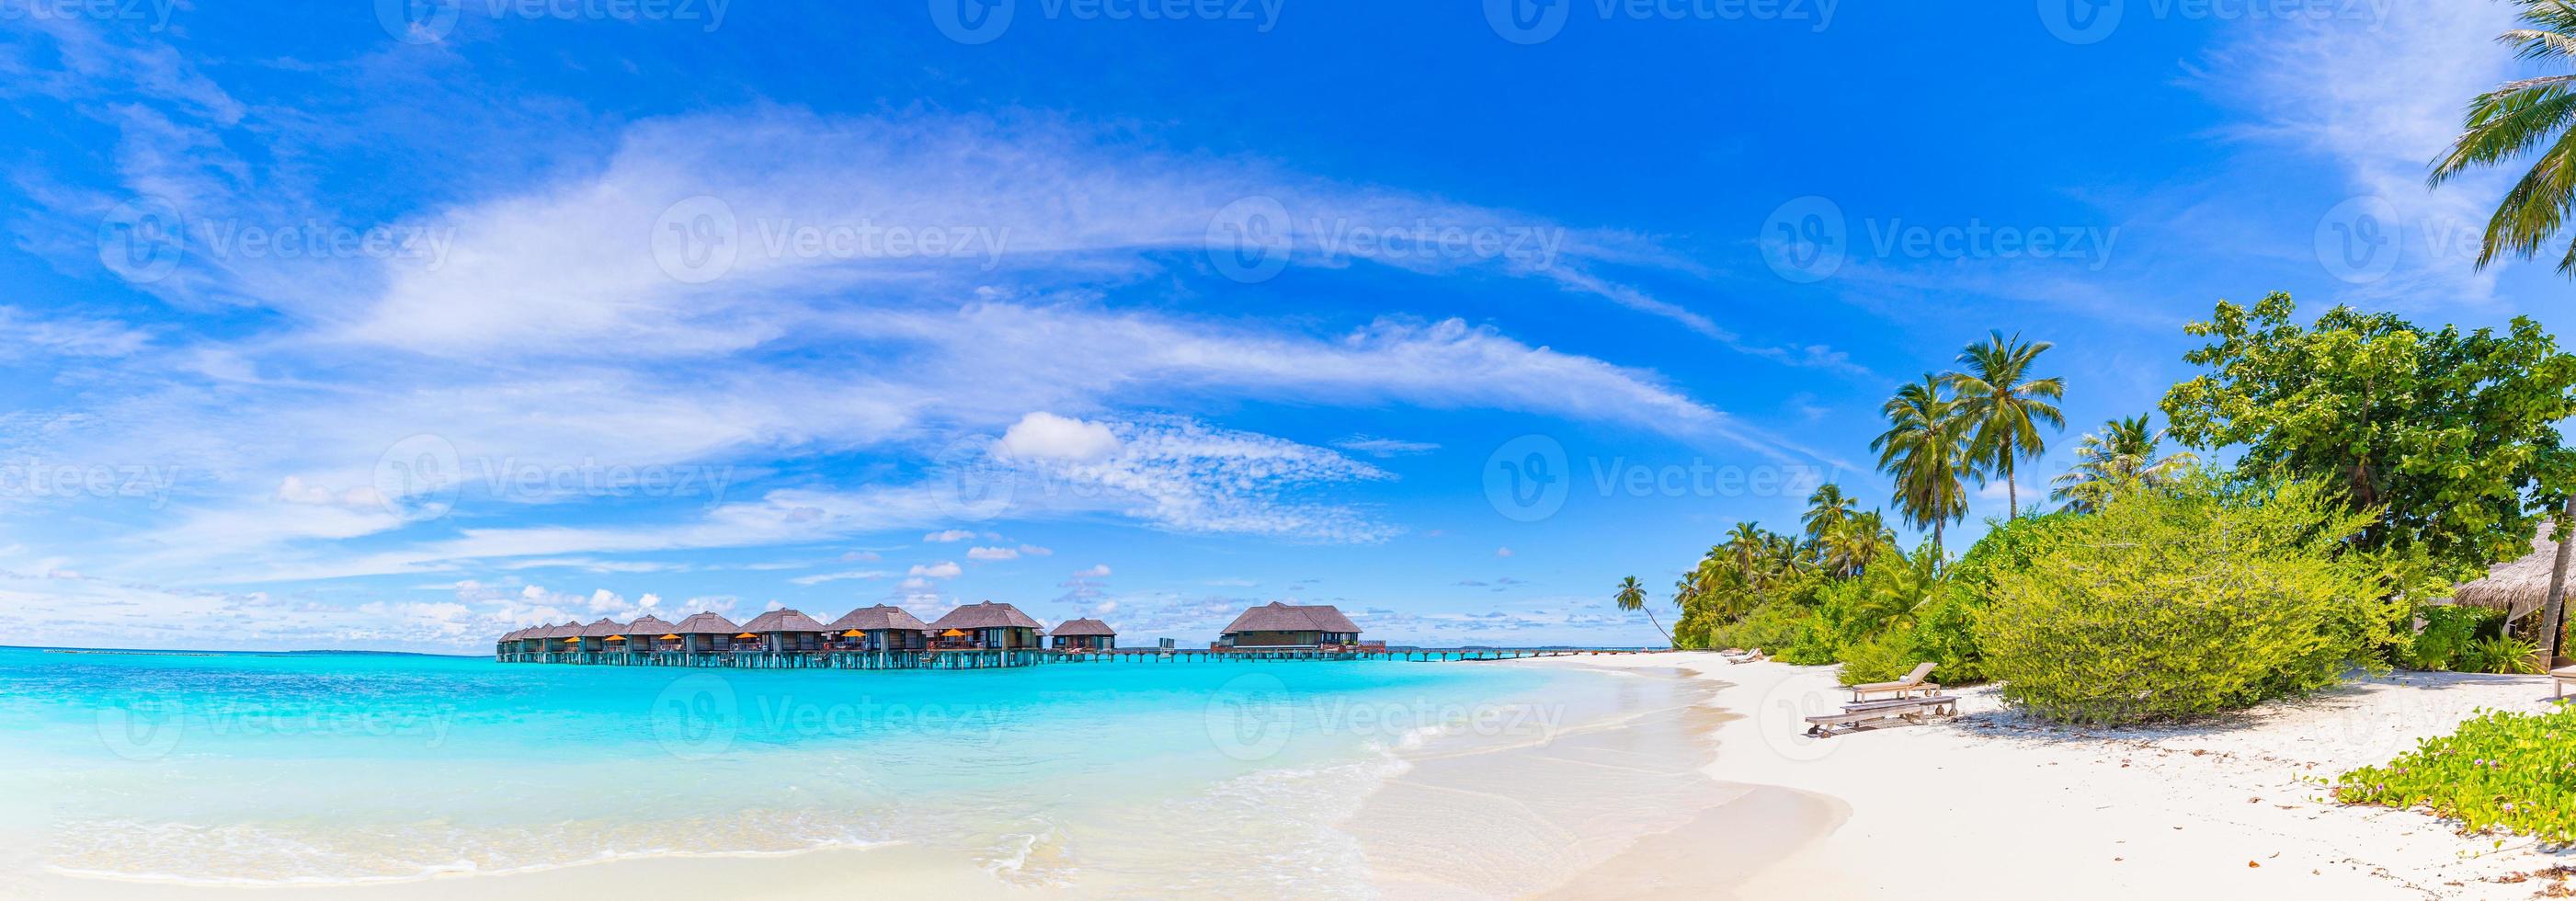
(1992, 805)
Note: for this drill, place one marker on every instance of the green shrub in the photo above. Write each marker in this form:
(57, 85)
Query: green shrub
(1884, 657)
(2501, 654)
(2448, 632)
(1773, 628)
(2511, 771)
(1945, 632)
(2189, 600)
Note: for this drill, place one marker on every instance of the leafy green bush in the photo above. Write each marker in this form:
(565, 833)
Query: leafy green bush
(2448, 632)
(1945, 632)
(2501, 654)
(2185, 601)
(1884, 657)
(1773, 628)
(2510, 771)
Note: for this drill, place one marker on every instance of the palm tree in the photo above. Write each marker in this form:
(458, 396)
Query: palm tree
(2122, 453)
(1632, 598)
(2005, 407)
(1924, 449)
(2515, 118)
(1847, 552)
(1828, 510)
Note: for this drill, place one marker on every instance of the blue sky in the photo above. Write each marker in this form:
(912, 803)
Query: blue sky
(398, 327)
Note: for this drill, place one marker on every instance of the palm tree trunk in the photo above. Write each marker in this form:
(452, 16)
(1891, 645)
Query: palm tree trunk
(2012, 493)
(1936, 538)
(1659, 625)
(2554, 610)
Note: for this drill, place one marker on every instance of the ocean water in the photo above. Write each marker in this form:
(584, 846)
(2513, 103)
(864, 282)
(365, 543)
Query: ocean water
(342, 768)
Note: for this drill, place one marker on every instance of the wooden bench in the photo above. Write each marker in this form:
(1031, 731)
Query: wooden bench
(1856, 715)
(2562, 676)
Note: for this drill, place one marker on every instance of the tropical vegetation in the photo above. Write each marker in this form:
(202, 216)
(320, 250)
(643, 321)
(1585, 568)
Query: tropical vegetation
(2513, 119)
(2508, 771)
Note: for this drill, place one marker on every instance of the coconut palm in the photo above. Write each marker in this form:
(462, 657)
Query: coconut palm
(1632, 598)
(1925, 449)
(2515, 118)
(2004, 407)
(2122, 453)
(1849, 550)
(1828, 510)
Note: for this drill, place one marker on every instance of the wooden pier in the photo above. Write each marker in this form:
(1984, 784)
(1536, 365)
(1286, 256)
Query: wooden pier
(980, 658)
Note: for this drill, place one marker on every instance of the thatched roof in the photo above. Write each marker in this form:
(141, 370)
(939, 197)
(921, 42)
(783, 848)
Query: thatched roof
(782, 621)
(602, 629)
(1083, 627)
(1280, 617)
(879, 617)
(513, 635)
(648, 624)
(987, 615)
(2517, 586)
(706, 624)
(567, 630)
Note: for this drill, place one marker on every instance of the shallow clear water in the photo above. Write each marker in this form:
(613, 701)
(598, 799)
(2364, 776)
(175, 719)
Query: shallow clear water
(343, 768)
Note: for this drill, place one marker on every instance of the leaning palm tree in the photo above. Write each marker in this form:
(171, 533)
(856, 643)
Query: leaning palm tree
(1828, 510)
(1925, 449)
(2005, 407)
(2122, 453)
(1632, 598)
(2516, 118)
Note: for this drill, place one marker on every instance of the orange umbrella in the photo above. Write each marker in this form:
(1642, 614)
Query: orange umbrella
(617, 638)
(746, 635)
(952, 633)
(670, 638)
(854, 633)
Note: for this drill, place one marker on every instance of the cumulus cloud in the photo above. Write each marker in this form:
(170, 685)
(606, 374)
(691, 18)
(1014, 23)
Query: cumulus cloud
(992, 553)
(1045, 436)
(945, 569)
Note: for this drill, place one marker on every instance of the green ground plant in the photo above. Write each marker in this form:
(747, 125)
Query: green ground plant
(2503, 771)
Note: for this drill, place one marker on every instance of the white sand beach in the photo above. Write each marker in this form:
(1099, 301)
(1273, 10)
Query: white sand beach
(1993, 806)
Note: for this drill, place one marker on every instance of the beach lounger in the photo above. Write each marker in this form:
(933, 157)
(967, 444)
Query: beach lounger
(1905, 687)
(1859, 715)
(2562, 676)
(1755, 656)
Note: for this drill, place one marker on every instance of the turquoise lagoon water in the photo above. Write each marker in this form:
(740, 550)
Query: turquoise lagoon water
(305, 768)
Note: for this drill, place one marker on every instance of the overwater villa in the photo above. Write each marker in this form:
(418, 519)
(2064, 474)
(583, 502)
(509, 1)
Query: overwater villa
(705, 633)
(786, 631)
(650, 633)
(986, 626)
(1084, 635)
(884, 627)
(595, 637)
(1280, 625)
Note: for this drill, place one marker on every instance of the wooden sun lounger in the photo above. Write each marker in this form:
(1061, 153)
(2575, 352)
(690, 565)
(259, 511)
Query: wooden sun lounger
(1855, 716)
(1905, 687)
(2562, 676)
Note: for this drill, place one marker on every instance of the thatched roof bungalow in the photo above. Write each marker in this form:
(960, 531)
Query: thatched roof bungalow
(594, 637)
(566, 637)
(786, 630)
(1282, 625)
(987, 625)
(647, 633)
(1084, 635)
(705, 632)
(2518, 586)
(884, 627)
